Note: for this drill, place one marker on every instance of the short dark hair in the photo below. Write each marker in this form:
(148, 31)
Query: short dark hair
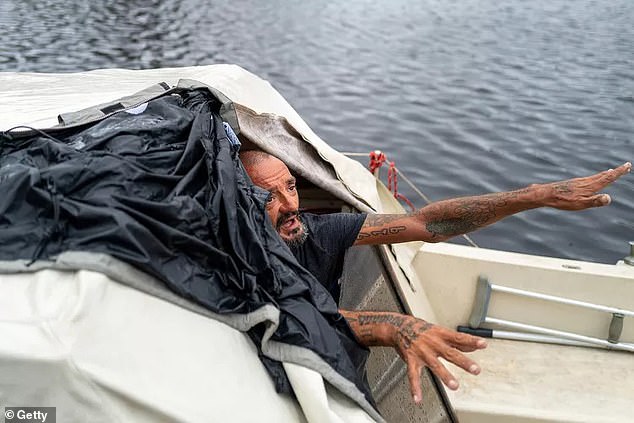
(251, 158)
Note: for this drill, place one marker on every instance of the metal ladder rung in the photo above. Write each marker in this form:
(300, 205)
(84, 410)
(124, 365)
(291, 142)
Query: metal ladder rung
(561, 300)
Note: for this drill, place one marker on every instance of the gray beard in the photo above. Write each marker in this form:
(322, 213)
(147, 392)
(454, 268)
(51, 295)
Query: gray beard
(300, 238)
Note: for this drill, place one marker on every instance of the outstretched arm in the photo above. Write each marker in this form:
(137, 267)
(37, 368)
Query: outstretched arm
(448, 218)
(419, 343)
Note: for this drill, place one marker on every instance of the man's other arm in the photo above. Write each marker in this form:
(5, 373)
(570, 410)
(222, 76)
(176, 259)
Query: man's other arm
(419, 343)
(444, 219)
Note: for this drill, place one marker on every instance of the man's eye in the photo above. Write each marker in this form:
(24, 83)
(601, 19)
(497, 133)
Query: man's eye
(291, 188)
(269, 199)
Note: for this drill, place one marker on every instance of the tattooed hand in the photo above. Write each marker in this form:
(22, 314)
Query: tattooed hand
(419, 343)
(581, 193)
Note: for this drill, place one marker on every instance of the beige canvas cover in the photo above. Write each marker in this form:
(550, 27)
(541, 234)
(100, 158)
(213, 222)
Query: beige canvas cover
(101, 351)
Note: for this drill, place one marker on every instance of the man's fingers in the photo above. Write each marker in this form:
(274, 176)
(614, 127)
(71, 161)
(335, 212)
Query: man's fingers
(441, 372)
(597, 200)
(456, 357)
(600, 180)
(465, 342)
(413, 374)
(612, 175)
(439, 342)
(600, 200)
(582, 193)
(624, 168)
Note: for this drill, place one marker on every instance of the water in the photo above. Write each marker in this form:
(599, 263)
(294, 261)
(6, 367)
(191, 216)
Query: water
(466, 97)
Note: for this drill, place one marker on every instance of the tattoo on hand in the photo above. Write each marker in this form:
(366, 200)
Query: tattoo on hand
(410, 331)
(408, 328)
(563, 187)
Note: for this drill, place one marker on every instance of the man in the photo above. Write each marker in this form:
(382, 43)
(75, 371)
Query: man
(319, 242)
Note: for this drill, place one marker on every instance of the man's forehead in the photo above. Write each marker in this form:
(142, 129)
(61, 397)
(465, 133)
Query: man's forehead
(270, 172)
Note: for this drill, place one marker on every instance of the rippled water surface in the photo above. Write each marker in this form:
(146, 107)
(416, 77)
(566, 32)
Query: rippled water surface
(467, 97)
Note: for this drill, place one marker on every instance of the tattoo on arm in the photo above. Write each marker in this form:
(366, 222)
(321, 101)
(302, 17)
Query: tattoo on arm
(369, 318)
(455, 217)
(373, 220)
(384, 222)
(447, 218)
(390, 230)
(367, 335)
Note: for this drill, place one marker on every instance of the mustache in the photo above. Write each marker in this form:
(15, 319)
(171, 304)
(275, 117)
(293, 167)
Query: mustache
(284, 217)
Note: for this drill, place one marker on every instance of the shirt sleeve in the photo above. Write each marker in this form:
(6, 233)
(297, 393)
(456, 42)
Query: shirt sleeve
(342, 230)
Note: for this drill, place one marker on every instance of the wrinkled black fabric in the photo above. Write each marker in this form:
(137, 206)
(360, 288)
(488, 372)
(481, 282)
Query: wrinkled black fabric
(164, 191)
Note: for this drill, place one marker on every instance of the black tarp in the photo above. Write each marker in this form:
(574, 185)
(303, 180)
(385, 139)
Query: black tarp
(163, 190)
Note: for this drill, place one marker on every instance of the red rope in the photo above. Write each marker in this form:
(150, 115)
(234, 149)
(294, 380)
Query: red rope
(377, 158)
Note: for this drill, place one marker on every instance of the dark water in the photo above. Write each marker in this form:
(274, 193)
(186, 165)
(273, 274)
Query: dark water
(467, 97)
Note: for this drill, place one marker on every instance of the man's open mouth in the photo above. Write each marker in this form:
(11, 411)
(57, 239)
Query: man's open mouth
(288, 221)
(289, 224)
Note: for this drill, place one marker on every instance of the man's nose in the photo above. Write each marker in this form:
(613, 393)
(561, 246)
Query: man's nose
(287, 203)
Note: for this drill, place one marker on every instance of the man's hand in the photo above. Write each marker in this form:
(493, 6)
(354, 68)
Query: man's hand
(419, 343)
(581, 193)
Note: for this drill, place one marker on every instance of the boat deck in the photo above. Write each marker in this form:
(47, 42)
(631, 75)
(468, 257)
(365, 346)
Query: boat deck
(534, 382)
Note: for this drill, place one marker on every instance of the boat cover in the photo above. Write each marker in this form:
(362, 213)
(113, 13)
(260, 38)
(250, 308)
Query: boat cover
(159, 187)
(265, 117)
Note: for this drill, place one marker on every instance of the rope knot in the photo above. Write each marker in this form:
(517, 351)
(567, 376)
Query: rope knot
(377, 158)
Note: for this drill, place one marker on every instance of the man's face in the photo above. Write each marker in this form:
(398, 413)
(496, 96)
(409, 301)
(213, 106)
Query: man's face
(272, 175)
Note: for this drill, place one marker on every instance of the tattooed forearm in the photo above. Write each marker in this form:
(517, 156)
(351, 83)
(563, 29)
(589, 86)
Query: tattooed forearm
(373, 220)
(369, 318)
(444, 219)
(381, 225)
(449, 218)
(368, 336)
(390, 230)
(385, 328)
(451, 227)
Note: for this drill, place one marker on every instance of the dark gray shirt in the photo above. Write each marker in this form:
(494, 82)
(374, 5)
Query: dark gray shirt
(329, 236)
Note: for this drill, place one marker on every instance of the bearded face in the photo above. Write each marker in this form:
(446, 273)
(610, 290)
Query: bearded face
(282, 206)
